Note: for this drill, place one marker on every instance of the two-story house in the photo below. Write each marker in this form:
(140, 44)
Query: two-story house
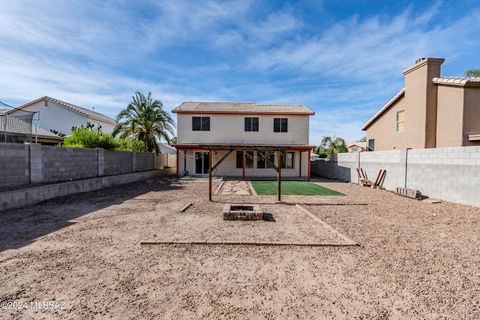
(431, 111)
(54, 114)
(243, 139)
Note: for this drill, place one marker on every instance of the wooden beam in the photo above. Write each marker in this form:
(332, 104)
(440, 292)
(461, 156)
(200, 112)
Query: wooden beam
(243, 164)
(279, 175)
(308, 162)
(300, 165)
(210, 156)
(221, 159)
(178, 162)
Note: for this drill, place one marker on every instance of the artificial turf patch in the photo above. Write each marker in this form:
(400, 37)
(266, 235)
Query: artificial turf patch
(300, 188)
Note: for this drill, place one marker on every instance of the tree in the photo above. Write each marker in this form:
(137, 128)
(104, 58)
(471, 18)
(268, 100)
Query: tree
(364, 139)
(173, 141)
(472, 72)
(144, 119)
(332, 145)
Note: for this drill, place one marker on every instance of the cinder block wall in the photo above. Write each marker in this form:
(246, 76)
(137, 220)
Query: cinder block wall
(144, 161)
(14, 164)
(23, 164)
(65, 164)
(117, 162)
(451, 174)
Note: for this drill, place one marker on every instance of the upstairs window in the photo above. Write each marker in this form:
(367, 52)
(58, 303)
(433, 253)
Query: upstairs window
(371, 144)
(251, 124)
(280, 125)
(200, 123)
(400, 121)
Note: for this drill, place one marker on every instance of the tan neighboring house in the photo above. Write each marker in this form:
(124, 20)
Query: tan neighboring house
(358, 146)
(430, 111)
(54, 114)
(244, 139)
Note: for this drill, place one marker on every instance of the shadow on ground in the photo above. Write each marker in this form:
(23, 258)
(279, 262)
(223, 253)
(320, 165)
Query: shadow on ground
(20, 227)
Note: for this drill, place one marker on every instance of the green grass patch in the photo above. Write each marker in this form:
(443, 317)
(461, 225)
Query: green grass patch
(300, 188)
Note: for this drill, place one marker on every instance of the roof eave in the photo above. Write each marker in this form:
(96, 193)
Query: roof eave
(387, 106)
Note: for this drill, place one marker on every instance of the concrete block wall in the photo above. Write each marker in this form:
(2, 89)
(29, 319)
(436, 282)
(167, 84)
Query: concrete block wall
(14, 164)
(66, 164)
(451, 174)
(117, 162)
(23, 164)
(144, 161)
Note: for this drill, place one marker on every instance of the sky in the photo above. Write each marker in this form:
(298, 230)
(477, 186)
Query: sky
(341, 58)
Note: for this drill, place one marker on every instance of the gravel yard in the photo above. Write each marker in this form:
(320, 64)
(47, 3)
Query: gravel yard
(415, 259)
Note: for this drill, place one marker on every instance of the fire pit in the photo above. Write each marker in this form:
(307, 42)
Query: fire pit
(242, 212)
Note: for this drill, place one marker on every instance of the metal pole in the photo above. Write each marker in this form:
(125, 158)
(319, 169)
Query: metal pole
(308, 162)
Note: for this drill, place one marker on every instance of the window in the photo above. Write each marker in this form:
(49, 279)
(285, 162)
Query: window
(280, 125)
(287, 160)
(265, 160)
(251, 124)
(248, 159)
(400, 121)
(371, 144)
(201, 123)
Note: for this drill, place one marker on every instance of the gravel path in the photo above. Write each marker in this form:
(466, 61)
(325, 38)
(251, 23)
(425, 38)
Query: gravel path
(416, 259)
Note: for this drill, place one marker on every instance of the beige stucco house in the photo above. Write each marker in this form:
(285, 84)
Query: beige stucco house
(246, 139)
(55, 114)
(430, 111)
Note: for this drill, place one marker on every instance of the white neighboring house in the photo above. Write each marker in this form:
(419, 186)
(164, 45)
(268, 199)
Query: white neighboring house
(248, 137)
(54, 114)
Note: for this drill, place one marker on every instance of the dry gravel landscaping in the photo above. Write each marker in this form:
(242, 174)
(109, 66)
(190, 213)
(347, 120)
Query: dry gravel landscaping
(415, 259)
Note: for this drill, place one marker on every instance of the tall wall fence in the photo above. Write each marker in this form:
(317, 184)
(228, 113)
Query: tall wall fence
(451, 174)
(23, 164)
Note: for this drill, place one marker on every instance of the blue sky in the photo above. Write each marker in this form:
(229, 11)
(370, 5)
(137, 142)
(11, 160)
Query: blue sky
(342, 58)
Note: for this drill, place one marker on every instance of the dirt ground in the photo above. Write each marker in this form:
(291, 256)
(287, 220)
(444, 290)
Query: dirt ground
(81, 256)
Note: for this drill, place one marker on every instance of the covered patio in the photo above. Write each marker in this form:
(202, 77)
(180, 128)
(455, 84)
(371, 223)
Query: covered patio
(262, 152)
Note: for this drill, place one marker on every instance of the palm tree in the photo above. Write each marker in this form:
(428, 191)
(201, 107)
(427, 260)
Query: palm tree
(144, 119)
(333, 145)
(472, 72)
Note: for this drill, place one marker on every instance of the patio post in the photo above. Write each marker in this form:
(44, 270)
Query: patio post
(210, 156)
(178, 164)
(308, 163)
(279, 175)
(243, 164)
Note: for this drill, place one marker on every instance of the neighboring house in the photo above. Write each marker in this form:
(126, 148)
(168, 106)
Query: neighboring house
(15, 130)
(166, 148)
(54, 114)
(248, 137)
(358, 146)
(431, 111)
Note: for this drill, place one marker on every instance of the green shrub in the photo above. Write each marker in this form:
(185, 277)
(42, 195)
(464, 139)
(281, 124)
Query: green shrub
(91, 137)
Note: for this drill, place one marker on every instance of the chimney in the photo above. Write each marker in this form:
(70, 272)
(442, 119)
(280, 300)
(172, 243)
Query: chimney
(421, 95)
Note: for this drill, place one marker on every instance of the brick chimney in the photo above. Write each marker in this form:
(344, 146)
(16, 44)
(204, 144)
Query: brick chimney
(422, 93)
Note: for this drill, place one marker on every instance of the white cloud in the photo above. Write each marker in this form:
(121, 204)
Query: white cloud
(98, 54)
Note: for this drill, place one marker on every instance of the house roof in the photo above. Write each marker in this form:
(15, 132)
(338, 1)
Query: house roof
(86, 112)
(242, 108)
(166, 148)
(390, 103)
(15, 125)
(457, 81)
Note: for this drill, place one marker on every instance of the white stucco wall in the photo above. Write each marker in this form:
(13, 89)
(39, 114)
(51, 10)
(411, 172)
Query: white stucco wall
(230, 129)
(61, 119)
(228, 167)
